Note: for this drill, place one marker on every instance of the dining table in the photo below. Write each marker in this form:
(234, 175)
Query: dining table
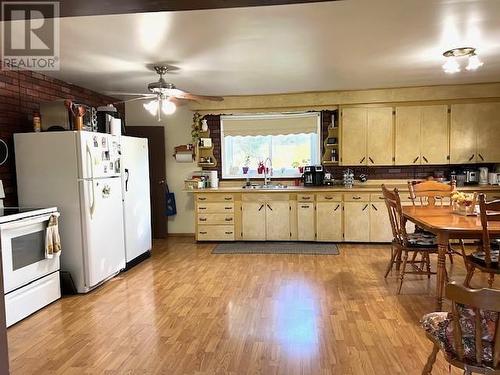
(447, 225)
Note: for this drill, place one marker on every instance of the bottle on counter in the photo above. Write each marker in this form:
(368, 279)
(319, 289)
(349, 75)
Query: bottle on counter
(37, 122)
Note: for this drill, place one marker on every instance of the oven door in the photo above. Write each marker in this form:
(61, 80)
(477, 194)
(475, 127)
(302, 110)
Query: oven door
(23, 252)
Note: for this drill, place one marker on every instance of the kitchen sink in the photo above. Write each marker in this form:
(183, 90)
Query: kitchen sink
(265, 187)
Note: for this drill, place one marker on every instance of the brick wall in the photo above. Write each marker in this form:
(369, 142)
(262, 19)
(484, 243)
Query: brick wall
(21, 93)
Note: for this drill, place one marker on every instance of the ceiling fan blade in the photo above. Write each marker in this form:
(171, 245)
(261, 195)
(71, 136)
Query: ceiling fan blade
(136, 99)
(120, 93)
(181, 94)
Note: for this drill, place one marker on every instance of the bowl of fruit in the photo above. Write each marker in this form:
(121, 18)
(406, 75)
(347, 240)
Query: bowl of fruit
(463, 203)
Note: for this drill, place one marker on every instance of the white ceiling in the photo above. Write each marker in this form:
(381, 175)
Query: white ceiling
(341, 45)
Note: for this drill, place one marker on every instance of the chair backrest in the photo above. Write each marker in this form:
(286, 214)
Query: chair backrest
(488, 211)
(479, 310)
(428, 192)
(395, 210)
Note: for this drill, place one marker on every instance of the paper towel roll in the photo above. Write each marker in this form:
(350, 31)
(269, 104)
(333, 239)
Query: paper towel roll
(184, 157)
(115, 126)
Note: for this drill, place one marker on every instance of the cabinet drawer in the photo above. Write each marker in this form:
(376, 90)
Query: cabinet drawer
(215, 233)
(357, 197)
(305, 197)
(218, 207)
(376, 197)
(264, 197)
(210, 197)
(329, 197)
(215, 218)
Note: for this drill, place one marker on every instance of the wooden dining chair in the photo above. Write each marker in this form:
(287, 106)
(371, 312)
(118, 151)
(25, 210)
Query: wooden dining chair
(432, 193)
(405, 243)
(469, 336)
(486, 259)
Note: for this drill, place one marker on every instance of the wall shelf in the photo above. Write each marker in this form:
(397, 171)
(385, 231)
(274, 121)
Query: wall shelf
(205, 152)
(328, 148)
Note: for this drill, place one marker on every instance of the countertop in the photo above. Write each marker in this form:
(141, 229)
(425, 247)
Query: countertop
(368, 188)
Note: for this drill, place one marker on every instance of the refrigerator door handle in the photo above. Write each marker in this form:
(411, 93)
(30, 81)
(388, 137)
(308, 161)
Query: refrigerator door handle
(92, 206)
(126, 179)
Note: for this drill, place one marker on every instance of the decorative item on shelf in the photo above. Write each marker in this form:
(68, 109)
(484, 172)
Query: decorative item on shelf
(205, 149)
(464, 203)
(331, 145)
(204, 125)
(184, 153)
(246, 165)
(37, 122)
(196, 127)
(205, 142)
(78, 111)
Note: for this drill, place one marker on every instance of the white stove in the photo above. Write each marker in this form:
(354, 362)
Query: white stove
(31, 281)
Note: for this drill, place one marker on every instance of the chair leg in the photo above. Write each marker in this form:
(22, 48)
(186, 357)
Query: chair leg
(450, 255)
(470, 273)
(491, 279)
(428, 263)
(430, 361)
(391, 262)
(402, 271)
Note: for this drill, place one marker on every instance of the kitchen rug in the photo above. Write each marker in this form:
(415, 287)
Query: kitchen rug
(306, 248)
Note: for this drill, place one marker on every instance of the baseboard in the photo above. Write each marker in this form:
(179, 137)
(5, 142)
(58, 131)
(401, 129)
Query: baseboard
(181, 235)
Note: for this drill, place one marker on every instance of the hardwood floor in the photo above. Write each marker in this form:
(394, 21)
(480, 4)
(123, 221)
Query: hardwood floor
(186, 311)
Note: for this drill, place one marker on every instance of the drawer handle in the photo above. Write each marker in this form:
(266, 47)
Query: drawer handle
(202, 208)
(356, 198)
(375, 208)
(364, 208)
(304, 206)
(203, 232)
(228, 208)
(202, 198)
(228, 219)
(306, 198)
(329, 198)
(382, 198)
(336, 208)
(203, 219)
(228, 198)
(228, 232)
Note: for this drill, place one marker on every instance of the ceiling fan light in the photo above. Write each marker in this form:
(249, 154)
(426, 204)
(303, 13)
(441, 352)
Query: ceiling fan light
(151, 107)
(451, 65)
(168, 107)
(474, 62)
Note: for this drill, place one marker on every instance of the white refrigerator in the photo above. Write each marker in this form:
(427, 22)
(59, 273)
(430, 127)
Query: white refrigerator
(80, 173)
(136, 199)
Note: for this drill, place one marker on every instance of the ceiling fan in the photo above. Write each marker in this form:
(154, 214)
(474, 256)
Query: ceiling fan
(164, 94)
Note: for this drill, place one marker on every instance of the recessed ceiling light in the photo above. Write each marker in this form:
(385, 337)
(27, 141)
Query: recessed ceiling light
(452, 66)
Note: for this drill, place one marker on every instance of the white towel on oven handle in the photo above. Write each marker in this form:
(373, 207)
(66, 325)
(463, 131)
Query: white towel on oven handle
(52, 239)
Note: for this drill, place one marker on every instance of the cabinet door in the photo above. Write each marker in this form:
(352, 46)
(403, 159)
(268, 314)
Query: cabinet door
(463, 133)
(329, 221)
(305, 222)
(434, 140)
(357, 221)
(408, 121)
(488, 132)
(380, 136)
(253, 220)
(278, 221)
(380, 225)
(354, 136)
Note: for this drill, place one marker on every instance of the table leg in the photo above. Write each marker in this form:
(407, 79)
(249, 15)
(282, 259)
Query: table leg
(443, 241)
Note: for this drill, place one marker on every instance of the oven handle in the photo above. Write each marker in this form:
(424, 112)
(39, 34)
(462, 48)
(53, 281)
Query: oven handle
(28, 221)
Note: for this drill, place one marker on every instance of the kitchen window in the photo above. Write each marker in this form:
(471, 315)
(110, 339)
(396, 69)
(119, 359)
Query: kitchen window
(289, 140)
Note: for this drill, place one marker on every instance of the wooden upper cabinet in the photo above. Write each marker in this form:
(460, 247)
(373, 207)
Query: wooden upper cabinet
(367, 136)
(434, 141)
(354, 136)
(278, 221)
(488, 132)
(422, 135)
(463, 133)
(380, 136)
(408, 120)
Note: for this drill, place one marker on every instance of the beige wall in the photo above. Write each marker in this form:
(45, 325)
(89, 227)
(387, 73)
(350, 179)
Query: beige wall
(177, 132)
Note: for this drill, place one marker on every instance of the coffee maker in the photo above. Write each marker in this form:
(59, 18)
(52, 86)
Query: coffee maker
(313, 175)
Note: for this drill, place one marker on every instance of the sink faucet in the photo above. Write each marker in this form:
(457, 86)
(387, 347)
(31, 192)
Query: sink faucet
(267, 179)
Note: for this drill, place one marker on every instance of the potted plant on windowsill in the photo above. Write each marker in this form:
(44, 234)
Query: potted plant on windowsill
(246, 164)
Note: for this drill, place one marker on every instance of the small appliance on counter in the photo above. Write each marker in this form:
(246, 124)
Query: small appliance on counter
(471, 177)
(483, 176)
(328, 179)
(313, 175)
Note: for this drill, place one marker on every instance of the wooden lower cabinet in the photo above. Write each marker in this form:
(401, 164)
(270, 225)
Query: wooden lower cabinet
(253, 221)
(329, 221)
(306, 230)
(380, 225)
(356, 221)
(278, 221)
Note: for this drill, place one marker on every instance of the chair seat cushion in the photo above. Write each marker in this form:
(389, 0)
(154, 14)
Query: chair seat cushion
(495, 244)
(478, 257)
(439, 326)
(422, 239)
